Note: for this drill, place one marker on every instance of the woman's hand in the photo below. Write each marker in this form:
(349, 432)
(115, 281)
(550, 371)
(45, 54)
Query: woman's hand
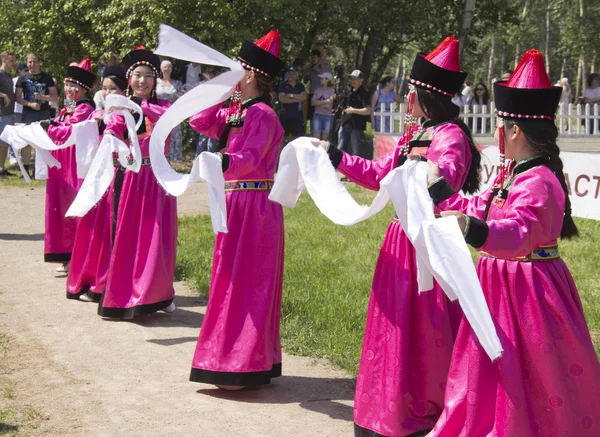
(318, 143)
(462, 219)
(433, 173)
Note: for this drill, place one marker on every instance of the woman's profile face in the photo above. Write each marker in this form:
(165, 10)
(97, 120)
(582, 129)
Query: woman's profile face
(109, 87)
(417, 111)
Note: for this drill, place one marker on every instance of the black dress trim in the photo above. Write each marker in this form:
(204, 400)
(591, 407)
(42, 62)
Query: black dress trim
(129, 313)
(225, 162)
(477, 233)
(95, 297)
(57, 257)
(440, 191)
(235, 378)
(359, 431)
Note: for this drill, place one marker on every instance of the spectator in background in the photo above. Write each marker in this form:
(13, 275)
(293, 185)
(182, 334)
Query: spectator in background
(386, 96)
(7, 103)
(53, 105)
(291, 95)
(322, 101)
(108, 59)
(170, 89)
(318, 65)
(356, 114)
(193, 76)
(466, 93)
(206, 143)
(34, 91)
(591, 96)
(506, 74)
(476, 103)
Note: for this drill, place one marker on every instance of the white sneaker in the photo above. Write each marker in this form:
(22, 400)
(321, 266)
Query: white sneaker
(64, 268)
(170, 308)
(85, 298)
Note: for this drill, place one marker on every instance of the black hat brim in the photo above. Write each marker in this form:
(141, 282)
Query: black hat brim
(427, 75)
(263, 61)
(526, 102)
(136, 57)
(80, 76)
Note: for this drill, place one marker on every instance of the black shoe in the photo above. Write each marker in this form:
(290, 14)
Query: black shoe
(8, 173)
(3, 174)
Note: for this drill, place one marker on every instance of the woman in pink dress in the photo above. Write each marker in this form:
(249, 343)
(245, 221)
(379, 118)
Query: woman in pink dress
(144, 217)
(239, 340)
(91, 250)
(547, 382)
(409, 336)
(62, 184)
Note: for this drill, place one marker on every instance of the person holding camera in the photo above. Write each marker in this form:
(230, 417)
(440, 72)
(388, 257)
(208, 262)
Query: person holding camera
(356, 114)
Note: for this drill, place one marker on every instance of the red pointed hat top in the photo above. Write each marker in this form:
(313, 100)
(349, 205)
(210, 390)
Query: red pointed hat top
(85, 64)
(271, 43)
(446, 55)
(140, 48)
(531, 72)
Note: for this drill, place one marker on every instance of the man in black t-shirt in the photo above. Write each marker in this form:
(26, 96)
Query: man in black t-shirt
(291, 96)
(356, 115)
(34, 91)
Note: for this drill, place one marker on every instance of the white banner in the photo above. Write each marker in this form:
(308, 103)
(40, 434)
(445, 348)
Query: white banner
(582, 173)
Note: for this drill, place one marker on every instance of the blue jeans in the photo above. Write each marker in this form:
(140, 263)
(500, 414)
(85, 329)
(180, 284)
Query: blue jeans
(206, 144)
(350, 140)
(321, 123)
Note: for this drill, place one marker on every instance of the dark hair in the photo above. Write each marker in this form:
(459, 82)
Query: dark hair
(439, 108)
(486, 94)
(591, 78)
(264, 86)
(541, 137)
(117, 80)
(385, 80)
(315, 52)
(508, 72)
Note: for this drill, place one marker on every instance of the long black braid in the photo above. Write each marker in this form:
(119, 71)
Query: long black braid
(541, 137)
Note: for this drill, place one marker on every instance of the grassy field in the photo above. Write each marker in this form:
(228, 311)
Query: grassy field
(328, 273)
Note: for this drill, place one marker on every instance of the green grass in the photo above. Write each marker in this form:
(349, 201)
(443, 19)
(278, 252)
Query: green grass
(329, 269)
(17, 180)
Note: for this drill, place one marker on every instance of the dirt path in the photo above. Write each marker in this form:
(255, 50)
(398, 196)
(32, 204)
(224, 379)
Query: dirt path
(79, 375)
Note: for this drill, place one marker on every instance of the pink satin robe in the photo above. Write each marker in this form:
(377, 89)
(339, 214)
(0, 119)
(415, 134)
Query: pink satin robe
(239, 339)
(62, 186)
(547, 382)
(408, 336)
(91, 250)
(143, 256)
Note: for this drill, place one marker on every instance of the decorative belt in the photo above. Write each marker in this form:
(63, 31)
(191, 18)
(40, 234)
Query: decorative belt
(145, 161)
(265, 185)
(542, 253)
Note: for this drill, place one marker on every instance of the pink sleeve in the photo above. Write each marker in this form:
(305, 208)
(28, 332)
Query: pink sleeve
(210, 122)
(474, 206)
(61, 132)
(116, 126)
(258, 133)
(451, 151)
(366, 172)
(154, 111)
(369, 173)
(536, 204)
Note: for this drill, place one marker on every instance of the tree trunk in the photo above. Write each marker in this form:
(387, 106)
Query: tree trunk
(377, 73)
(562, 68)
(465, 27)
(371, 51)
(518, 44)
(578, 92)
(491, 60)
(547, 45)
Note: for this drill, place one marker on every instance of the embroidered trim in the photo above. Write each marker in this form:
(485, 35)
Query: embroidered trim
(513, 115)
(542, 253)
(75, 81)
(431, 87)
(250, 67)
(265, 185)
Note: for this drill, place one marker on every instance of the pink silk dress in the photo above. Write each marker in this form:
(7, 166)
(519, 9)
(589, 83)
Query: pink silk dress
(547, 381)
(144, 232)
(62, 185)
(239, 339)
(408, 336)
(91, 250)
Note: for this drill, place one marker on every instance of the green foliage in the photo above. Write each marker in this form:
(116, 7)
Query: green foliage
(329, 269)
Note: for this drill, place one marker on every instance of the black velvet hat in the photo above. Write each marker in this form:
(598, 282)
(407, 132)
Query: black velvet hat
(439, 70)
(262, 56)
(81, 74)
(141, 56)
